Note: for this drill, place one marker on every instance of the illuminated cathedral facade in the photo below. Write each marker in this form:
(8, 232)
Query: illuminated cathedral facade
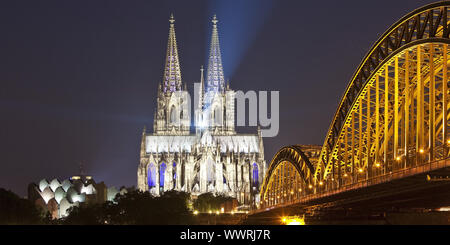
(208, 156)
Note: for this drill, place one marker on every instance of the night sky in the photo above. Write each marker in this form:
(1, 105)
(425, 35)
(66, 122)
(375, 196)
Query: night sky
(79, 78)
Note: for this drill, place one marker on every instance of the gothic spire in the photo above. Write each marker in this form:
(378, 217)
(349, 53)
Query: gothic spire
(215, 78)
(172, 73)
(144, 131)
(202, 89)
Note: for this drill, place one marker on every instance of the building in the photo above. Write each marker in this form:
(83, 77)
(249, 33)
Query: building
(208, 156)
(58, 196)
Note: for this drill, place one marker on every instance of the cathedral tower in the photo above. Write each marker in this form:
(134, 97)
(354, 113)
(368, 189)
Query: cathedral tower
(218, 113)
(172, 116)
(215, 77)
(214, 158)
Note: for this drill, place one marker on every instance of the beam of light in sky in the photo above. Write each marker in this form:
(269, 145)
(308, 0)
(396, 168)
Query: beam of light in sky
(239, 23)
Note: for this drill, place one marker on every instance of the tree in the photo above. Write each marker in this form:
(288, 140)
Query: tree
(209, 202)
(85, 215)
(135, 208)
(16, 210)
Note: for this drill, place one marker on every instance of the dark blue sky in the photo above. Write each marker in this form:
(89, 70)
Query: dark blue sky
(79, 78)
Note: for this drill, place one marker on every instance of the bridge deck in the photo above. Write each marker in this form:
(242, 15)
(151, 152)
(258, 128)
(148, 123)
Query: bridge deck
(407, 187)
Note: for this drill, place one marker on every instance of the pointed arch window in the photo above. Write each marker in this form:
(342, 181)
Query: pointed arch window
(217, 116)
(255, 175)
(173, 114)
(224, 114)
(210, 171)
(174, 174)
(162, 171)
(151, 175)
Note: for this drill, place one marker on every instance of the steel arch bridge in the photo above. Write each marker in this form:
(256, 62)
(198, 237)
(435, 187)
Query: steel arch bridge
(392, 119)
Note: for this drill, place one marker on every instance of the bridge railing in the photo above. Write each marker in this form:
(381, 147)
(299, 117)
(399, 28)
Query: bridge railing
(399, 174)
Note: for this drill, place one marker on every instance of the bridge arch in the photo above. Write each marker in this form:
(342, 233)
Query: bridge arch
(394, 113)
(428, 24)
(290, 172)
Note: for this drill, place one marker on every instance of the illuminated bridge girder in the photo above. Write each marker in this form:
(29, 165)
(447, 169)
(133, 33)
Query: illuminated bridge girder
(393, 115)
(291, 175)
(387, 131)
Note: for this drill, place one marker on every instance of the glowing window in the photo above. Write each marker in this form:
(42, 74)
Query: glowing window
(255, 174)
(174, 170)
(151, 176)
(162, 170)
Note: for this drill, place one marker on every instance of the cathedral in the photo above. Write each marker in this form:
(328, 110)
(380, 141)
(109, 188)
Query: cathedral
(208, 156)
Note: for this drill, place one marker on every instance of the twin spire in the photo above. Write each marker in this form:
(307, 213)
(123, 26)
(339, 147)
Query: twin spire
(215, 79)
(172, 73)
